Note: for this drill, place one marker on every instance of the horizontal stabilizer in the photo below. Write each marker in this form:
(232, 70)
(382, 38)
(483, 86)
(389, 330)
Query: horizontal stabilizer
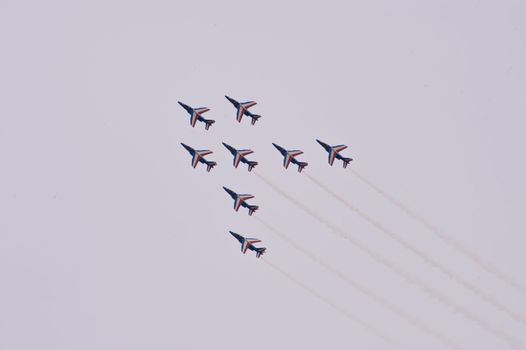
(251, 165)
(260, 251)
(208, 123)
(252, 209)
(346, 162)
(210, 165)
(301, 166)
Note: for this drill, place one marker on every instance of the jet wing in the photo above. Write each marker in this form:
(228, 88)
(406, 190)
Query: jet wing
(203, 153)
(339, 148)
(195, 159)
(245, 152)
(240, 112)
(248, 104)
(332, 155)
(237, 159)
(193, 119)
(237, 203)
(245, 196)
(201, 110)
(286, 161)
(295, 153)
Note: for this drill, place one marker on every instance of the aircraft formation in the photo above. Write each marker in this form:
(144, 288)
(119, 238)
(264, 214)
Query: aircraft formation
(289, 156)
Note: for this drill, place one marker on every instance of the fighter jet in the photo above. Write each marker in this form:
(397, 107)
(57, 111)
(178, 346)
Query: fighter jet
(198, 157)
(240, 201)
(242, 109)
(195, 115)
(334, 153)
(248, 243)
(289, 157)
(239, 156)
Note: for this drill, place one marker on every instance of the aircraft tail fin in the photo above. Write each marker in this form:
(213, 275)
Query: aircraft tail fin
(301, 166)
(254, 117)
(346, 162)
(252, 209)
(210, 165)
(260, 251)
(208, 123)
(251, 165)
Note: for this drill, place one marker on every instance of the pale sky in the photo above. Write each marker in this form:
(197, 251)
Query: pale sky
(109, 239)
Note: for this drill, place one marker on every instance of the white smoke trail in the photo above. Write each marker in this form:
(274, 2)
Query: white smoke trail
(398, 270)
(485, 265)
(370, 328)
(451, 274)
(364, 290)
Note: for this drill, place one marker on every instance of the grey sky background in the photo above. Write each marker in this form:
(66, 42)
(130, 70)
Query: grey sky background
(110, 240)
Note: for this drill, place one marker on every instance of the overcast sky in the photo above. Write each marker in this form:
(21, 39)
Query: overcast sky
(109, 239)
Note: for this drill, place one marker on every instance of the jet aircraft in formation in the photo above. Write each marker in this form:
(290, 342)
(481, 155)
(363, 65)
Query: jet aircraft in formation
(240, 201)
(290, 157)
(248, 243)
(195, 115)
(198, 157)
(334, 153)
(239, 156)
(242, 109)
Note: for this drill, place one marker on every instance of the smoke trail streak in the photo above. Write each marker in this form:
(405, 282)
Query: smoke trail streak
(364, 290)
(370, 328)
(449, 273)
(488, 267)
(398, 270)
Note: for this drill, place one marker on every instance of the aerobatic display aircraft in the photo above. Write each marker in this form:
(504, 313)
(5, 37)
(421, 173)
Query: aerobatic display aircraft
(195, 115)
(242, 109)
(289, 157)
(239, 156)
(248, 243)
(198, 157)
(334, 153)
(240, 201)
